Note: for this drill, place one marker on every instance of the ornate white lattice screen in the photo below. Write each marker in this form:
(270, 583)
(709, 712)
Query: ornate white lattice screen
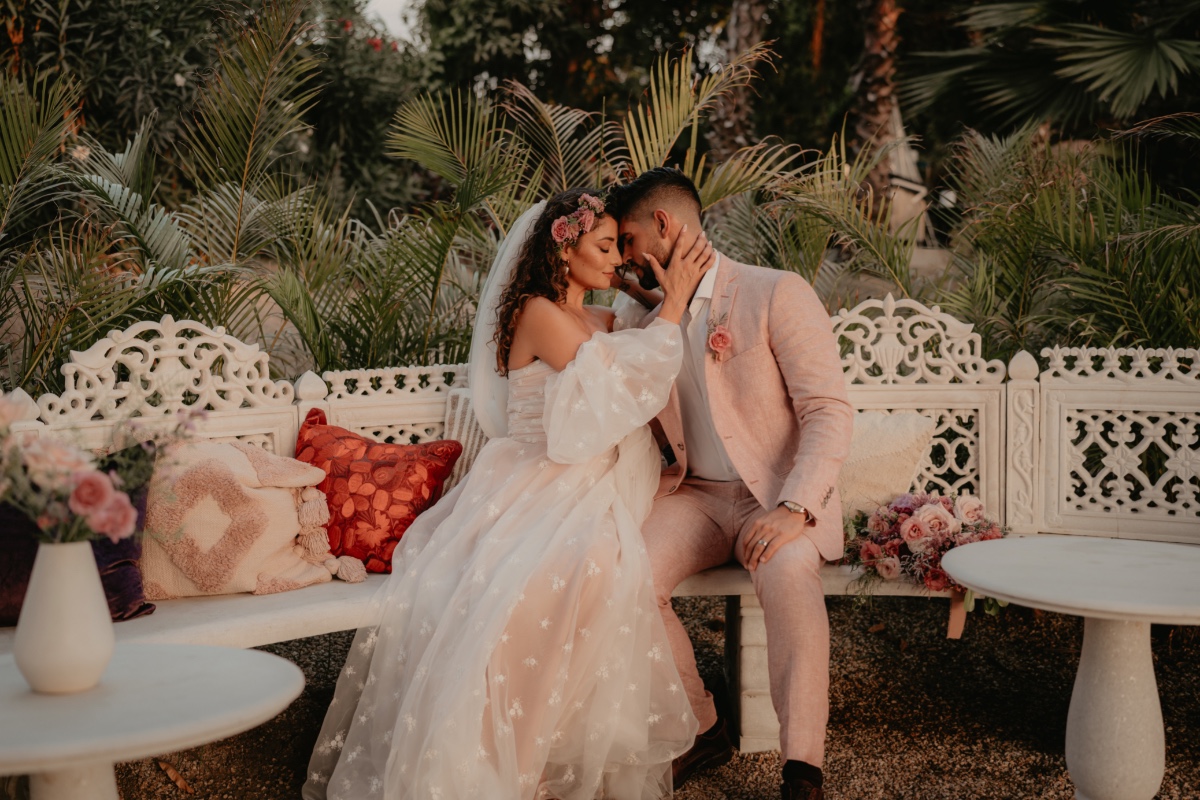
(154, 370)
(900, 355)
(370, 401)
(1121, 442)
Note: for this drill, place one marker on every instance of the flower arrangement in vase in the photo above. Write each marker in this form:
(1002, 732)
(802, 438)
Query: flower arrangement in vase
(906, 539)
(64, 637)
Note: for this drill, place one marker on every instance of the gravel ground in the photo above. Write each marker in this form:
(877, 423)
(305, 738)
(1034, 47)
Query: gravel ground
(913, 715)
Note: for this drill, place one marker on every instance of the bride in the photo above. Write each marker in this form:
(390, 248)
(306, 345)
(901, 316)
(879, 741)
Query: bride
(517, 651)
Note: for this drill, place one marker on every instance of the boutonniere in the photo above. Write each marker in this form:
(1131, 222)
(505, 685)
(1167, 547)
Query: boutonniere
(719, 337)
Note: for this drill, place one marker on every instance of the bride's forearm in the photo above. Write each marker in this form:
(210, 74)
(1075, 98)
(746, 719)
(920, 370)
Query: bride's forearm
(648, 298)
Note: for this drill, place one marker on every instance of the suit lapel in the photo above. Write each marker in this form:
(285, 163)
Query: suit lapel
(720, 312)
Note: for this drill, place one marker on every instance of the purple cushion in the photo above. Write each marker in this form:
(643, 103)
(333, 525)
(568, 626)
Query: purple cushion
(117, 563)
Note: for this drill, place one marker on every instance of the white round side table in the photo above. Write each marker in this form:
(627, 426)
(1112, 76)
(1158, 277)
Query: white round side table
(153, 699)
(1115, 746)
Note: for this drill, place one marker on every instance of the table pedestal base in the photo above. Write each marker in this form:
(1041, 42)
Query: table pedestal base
(1115, 746)
(94, 782)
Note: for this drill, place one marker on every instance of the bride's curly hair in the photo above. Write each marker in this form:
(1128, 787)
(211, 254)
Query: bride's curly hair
(538, 272)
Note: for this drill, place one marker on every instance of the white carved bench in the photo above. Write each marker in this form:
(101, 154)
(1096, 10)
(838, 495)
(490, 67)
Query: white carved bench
(1033, 434)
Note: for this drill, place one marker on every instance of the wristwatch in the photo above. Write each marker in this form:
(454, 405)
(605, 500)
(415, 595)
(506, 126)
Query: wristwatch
(796, 508)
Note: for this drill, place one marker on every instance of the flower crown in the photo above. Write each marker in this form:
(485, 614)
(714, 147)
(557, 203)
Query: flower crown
(567, 229)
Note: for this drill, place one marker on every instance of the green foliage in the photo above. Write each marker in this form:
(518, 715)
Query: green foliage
(1071, 245)
(1067, 62)
(261, 234)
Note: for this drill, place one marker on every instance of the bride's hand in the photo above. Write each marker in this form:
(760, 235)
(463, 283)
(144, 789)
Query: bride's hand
(690, 260)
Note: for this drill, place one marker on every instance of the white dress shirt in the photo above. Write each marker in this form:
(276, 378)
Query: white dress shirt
(706, 455)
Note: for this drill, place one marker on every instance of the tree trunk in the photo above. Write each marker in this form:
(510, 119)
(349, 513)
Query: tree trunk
(731, 124)
(875, 85)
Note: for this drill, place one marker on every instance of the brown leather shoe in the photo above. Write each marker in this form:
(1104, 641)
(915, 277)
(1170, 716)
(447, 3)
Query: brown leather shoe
(712, 749)
(800, 790)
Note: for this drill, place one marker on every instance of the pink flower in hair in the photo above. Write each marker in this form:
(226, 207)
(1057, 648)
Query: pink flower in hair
(594, 203)
(587, 218)
(560, 230)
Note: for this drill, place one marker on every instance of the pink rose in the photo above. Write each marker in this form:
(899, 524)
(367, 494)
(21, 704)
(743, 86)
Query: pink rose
(116, 520)
(870, 552)
(892, 547)
(592, 202)
(936, 580)
(560, 230)
(586, 219)
(888, 568)
(968, 508)
(720, 339)
(939, 522)
(93, 491)
(916, 533)
(877, 524)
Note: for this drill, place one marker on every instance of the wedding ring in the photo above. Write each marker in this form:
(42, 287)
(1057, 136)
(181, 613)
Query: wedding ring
(762, 543)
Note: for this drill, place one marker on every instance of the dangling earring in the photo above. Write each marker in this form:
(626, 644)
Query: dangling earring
(567, 268)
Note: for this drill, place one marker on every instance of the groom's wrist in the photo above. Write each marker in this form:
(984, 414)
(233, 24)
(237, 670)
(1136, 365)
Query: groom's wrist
(796, 508)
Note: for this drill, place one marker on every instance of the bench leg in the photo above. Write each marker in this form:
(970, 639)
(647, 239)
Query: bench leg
(755, 722)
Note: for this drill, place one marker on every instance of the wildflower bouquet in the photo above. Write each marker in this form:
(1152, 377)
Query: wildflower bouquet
(906, 539)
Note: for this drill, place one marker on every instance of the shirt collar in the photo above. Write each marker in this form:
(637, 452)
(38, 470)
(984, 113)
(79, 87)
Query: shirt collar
(705, 290)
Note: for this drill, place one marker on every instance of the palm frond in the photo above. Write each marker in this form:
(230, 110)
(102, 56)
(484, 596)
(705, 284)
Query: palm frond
(34, 124)
(255, 99)
(566, 142)
(154, 232)
(71, 292)
(1123, 68)
(750, 169)
(676, 102)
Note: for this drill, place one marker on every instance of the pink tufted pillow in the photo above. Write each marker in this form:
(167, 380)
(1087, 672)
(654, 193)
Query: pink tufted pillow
(223, 518)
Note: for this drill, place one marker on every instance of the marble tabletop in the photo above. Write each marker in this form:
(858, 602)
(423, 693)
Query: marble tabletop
(153, 699)
(1118, 579)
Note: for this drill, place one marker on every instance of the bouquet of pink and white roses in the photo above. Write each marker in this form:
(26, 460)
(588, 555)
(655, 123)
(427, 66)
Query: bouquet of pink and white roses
(906, 539)
(67, 492)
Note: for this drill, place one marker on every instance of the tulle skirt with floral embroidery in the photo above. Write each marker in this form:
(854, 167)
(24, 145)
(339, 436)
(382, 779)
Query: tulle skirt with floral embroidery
(516, 651)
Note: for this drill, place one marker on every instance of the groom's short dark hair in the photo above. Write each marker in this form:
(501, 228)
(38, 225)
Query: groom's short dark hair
(661, 185)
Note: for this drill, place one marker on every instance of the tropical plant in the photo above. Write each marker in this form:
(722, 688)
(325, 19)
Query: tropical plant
(110, 255)
(406, 293)
(1063, 61)
(1070, 243)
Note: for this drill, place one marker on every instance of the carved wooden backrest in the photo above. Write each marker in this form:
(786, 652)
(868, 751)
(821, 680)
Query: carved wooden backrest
(900, 355)
(155, 370)
(1120, 442)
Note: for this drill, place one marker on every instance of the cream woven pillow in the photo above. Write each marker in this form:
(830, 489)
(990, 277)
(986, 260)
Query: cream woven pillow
(226, 518)
(885, 453)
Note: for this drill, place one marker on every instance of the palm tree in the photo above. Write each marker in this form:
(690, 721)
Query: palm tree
(1062, 61)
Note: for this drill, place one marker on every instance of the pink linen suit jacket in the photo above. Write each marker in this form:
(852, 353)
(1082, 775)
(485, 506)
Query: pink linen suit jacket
(777, 397)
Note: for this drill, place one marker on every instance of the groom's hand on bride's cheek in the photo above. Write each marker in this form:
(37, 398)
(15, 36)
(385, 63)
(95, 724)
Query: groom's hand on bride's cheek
(776, 529)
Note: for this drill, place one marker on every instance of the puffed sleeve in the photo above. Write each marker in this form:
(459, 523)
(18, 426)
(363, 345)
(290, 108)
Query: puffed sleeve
(628, 313)
(617, 383)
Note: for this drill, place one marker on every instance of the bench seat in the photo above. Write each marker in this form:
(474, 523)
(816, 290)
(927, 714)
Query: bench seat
(245, 620)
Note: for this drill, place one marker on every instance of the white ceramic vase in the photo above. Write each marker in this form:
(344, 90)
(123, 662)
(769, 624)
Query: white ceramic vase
(64, 635)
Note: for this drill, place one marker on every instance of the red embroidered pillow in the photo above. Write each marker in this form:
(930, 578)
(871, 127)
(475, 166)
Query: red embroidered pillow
(374, 490)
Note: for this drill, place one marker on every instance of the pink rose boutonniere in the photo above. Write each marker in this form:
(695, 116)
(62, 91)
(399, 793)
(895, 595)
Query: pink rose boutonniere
(719, 337)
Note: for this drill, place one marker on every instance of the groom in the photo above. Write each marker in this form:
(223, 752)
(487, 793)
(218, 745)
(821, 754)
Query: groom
(759, 425)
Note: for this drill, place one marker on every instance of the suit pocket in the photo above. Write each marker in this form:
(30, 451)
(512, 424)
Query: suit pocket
(738, 353)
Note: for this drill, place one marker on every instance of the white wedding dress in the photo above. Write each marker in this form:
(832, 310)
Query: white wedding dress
(519, 652)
